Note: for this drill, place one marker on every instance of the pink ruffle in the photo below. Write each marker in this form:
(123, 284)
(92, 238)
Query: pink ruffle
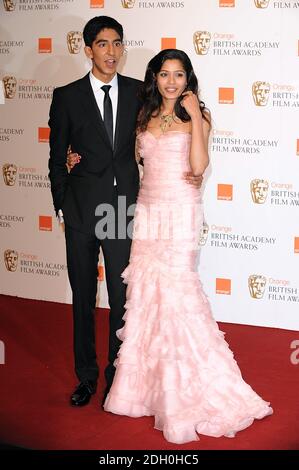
(174, 363)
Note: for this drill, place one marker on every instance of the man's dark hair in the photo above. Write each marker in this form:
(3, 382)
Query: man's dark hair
(94, 26)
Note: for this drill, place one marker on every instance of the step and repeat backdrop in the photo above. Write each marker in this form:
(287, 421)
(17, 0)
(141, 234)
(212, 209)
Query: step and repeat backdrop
(246, 56)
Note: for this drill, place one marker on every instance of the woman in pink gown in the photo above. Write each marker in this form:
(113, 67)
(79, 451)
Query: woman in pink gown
(174, 363)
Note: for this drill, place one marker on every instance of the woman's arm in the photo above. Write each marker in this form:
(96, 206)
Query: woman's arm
(200, 130)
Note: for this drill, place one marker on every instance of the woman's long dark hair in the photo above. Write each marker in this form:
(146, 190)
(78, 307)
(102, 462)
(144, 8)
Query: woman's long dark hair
(150, 96)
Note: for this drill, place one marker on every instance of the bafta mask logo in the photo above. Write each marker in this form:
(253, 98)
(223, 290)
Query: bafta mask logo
(259, 190)
(9, 174)
(74, 41)
(260, 93)
(203, 234)
(201, 41)
(10, 86)
(128, 3)
(256, 284)
(11, 260)
(9, 5)
(261, 3)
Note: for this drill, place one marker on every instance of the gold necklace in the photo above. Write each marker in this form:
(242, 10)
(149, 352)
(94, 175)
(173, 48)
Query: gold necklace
(166, 121)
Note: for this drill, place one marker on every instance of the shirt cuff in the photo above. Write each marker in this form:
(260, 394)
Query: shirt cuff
(60, 216)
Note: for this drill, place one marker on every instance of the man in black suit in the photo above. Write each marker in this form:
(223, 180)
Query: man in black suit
(96, 117)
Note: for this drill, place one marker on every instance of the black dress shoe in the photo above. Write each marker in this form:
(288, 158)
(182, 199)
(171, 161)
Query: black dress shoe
(83, 392)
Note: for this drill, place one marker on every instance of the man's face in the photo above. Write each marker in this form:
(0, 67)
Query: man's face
(105, 52)
(202, 42)
(261, 92)
(10, 86)
(75, 42)
(257, 286)
(10, 173)
(11, 260)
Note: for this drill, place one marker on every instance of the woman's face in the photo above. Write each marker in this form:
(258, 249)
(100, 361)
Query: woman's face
(172, 79)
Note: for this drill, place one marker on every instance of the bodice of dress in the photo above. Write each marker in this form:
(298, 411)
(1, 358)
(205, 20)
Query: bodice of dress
(166, 159)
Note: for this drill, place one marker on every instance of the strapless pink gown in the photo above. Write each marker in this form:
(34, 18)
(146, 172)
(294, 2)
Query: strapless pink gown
(174, 363)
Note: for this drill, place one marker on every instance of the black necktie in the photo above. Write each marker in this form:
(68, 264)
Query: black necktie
(108, 116)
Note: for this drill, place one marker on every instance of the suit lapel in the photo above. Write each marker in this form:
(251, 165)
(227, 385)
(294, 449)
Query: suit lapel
(91, 107)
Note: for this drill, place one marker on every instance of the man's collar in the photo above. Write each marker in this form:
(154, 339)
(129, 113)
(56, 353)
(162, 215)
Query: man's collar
(97, 84)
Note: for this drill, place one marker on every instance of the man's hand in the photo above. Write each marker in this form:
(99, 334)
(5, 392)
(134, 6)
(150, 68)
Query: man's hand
(191, 179)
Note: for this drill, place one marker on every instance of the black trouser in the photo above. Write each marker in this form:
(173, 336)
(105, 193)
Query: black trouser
(82, 261)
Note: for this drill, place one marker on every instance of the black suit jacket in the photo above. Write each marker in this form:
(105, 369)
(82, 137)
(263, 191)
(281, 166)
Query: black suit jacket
(76, 120)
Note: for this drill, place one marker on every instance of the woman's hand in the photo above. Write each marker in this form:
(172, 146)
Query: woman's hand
(72, 159)
(194, 180)
(191, 104)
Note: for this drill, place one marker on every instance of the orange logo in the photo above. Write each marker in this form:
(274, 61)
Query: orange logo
(225, 192)
(96, 3)
(168, 43)
(297, 146)
(45, 45)
(101, 272)
(226, 95)
(43, 134)
(223, 286)
(227, 3)
(296, 244)
(45, 223)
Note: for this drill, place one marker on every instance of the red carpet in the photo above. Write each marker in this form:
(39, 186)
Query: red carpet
(37, 379)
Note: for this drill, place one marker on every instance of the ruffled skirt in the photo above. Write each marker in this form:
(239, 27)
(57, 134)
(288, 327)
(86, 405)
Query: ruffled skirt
(174, 363)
